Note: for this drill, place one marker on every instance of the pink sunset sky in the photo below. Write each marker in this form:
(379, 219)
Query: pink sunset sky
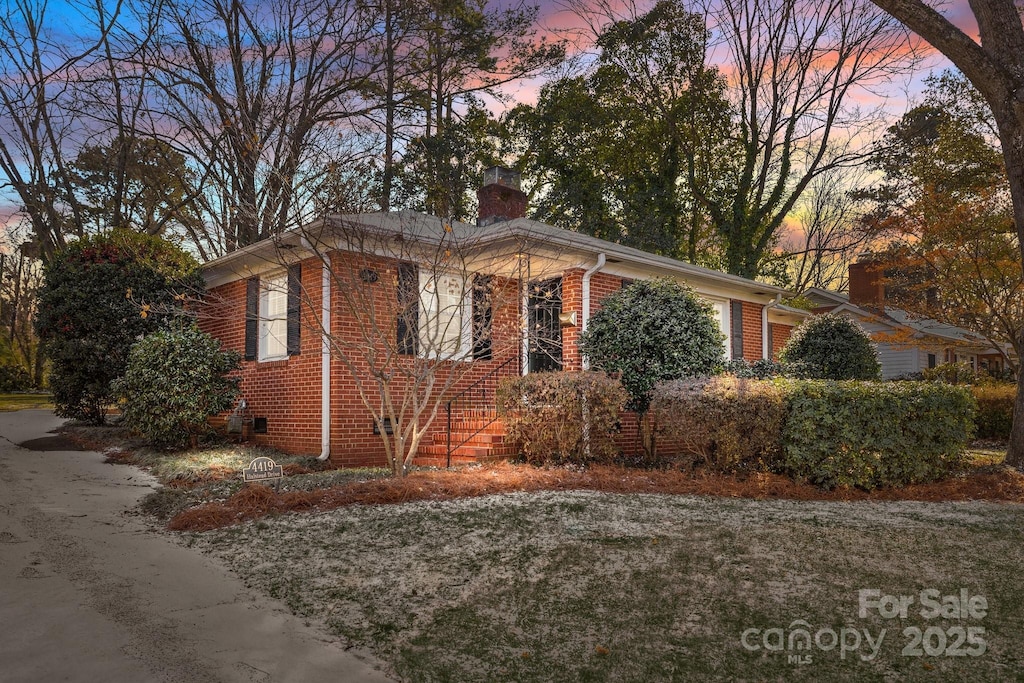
(558, 19)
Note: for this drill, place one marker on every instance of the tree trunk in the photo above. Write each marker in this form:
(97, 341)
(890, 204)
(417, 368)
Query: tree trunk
(1011, 134)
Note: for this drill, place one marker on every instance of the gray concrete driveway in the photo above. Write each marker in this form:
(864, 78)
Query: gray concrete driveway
(90, 592)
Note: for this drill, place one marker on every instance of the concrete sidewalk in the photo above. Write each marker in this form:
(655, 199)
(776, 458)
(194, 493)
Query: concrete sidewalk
(89, 592)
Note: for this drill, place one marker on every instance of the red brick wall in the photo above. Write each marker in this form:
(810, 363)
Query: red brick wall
(500, 202)
(293, 414)
(288, 392)
(780, 335)
(753, 341)
(572, 300)
(601, 286)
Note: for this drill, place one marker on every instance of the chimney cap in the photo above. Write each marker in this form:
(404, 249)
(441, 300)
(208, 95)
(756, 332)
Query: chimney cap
(499, 175)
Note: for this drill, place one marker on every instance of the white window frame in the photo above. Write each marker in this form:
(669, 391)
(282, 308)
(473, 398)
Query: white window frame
(722, 312)
(429, 323)
(273, 317)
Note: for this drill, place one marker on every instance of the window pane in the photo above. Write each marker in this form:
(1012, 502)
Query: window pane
(720, 313)
(274, 318)
(441, 302)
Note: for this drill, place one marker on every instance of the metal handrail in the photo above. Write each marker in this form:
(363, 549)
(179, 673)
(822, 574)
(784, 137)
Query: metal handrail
(456, 397)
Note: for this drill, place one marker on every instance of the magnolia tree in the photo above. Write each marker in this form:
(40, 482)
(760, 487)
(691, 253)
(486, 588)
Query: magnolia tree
(101, 294)
(426, 315)
(649, 332)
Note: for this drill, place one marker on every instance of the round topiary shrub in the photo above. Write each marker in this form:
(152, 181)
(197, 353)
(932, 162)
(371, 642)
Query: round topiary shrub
(175, 381)
(831, 346)
(653, 331)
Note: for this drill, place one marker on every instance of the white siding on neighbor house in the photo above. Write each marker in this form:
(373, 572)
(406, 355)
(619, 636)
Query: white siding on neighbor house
(897, 360)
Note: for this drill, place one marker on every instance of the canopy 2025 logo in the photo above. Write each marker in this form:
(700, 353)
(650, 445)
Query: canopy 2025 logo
(799, 642)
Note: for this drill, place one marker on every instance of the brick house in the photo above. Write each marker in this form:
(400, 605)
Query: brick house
(321, 314)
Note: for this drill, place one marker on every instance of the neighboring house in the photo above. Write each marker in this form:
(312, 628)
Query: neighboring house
(906, 344)
(267, 301)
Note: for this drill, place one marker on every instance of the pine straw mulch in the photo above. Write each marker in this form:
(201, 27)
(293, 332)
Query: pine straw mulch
(256, 500)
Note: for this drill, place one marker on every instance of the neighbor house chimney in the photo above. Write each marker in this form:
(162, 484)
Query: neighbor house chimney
(867, 282)
(500, 196)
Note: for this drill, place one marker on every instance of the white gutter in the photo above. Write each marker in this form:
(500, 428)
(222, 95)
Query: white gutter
(766, 349)
(325, 353)
(585, 313)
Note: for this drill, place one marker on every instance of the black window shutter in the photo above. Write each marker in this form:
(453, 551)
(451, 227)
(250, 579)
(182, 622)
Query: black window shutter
(482, 317)
(294, 342)
(408, 308)
(737, 329)
(252, 317)
(771, 341)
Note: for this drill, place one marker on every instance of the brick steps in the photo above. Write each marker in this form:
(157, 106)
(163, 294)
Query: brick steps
(477, 437)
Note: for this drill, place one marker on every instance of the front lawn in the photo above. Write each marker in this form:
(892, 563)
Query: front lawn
(23, 401)
(515, 573)
(560, 586)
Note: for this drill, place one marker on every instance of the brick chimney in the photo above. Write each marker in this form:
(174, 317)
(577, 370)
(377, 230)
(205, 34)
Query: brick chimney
(500, 196)
(867, 282)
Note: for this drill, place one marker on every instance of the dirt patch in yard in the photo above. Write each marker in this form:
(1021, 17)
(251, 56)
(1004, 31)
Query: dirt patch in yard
(254, 500)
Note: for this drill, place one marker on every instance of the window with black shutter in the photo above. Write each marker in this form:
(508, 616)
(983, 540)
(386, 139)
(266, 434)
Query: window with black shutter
(294, 333)
(273, 307)
(252, 317)
(736, 313)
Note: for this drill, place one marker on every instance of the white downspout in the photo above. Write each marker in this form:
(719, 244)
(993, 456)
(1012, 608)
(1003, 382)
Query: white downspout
(325, 361)
(766, 348)
(325, 352)
(585, 313)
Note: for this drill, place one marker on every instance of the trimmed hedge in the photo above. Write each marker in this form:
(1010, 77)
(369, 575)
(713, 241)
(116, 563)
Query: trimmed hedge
(728, 423)
(995, 409)
(872, 434)
(562, 417)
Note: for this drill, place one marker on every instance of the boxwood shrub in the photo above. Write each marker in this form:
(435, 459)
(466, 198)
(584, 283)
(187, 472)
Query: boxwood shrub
(725, 423)
(176, 379)
(995, 409)
(872, 434)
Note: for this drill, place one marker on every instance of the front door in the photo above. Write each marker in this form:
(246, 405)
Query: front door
(545, 330)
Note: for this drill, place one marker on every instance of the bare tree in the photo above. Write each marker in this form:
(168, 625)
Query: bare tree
(995, 66)
(796, 74)
(795, 71)
(261, 97)
(826, 239)
(20, 280)
(40, 117)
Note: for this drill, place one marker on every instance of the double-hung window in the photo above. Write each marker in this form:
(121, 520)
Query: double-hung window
(273, 326)
(442, 300)
(439, 316)
(272, 315)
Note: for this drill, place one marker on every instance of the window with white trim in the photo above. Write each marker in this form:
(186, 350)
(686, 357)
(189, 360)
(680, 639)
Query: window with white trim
(443, 326)
(721, 314)
(273, 318)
